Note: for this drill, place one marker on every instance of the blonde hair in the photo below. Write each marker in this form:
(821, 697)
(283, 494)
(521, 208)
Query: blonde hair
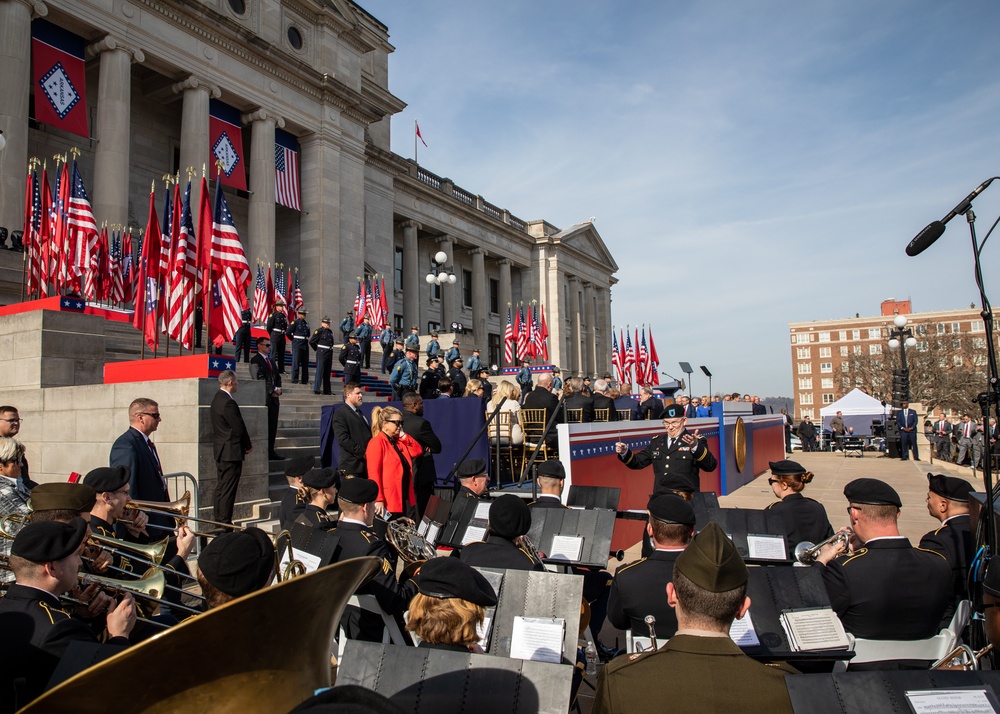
(380, 415)
(471, 386)
(445, 621)
(506, 388)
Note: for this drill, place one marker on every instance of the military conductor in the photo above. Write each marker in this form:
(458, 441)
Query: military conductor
(230, 444)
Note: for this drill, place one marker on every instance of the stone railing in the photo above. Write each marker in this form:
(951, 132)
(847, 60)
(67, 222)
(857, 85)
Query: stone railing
(447, 187)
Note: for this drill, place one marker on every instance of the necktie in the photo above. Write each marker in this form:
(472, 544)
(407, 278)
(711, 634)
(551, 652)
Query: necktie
(159, 466)
(968, 429)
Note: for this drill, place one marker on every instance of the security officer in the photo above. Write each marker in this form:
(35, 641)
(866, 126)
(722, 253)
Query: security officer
(429, 380)
(887, 589)
(350, 357)
(299, 332)
(413, 339)
(510, 518)
(277, 326)
(474, 364)
(947, 501)
(523, 378)
(453, 352)
(242, 337)
(404, 374)
(322, 341)
(364, 333)
(395, 355)
(433, 347)
(458, 377)
(385, 339)
(639, 588)
(347, 325)
(357, 539)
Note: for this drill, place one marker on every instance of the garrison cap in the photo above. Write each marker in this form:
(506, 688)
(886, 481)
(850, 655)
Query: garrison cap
(470, 468)
(712, 562)
(786, 468)
(872, 492)
(450, 578)
(46, 541)
(238, 563)
(62, 496)
(358, 491)
(299, 466)
(510, 517)
(950, 487)
(673, 411)
(991, 583)
(552, 469)
(321, 478)
(105, 479)
(670, 508)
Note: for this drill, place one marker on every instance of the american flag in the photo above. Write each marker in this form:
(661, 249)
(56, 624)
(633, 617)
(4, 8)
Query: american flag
(168, 252)
(279, 284)
(508, 340)
(261, 305)
(536, 332)
(117, 292)
(128, 273)
(522, 334)
(92, 287)
(32, 233)
(286, 170)
(297, 301)
(45, 237)
(359, 305)
(616, 359)
(184, 277)
(642, 361)
(375, 307)
(628, 358)
(82, 226)
(58, 217)
(229, 261)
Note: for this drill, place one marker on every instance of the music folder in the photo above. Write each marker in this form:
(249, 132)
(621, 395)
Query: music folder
(570, 536)
(603, 497)
(751, 530)
(321, 545)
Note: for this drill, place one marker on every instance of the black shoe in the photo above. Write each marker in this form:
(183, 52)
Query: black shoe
(275, 456)
(316, 393)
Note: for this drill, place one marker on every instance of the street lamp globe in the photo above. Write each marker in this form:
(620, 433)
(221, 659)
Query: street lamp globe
(911, 342)
(440, 257)
(3, 141)
(451, 279)
(894, 344)
(899, 321)
(430, 278)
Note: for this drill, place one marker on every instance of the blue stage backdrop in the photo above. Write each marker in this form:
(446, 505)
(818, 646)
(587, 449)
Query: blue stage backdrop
(455, 421)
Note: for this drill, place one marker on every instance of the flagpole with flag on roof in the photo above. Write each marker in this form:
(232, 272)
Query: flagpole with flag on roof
(417, 135)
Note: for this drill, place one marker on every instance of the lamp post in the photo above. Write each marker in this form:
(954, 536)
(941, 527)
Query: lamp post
(441, 273)
(901, 338)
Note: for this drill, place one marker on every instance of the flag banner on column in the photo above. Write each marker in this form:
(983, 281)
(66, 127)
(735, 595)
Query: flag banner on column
(225, 142)
(60, 83)
(286, 170)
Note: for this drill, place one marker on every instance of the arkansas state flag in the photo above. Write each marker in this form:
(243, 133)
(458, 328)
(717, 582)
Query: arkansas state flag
(225, 142)
(60, 84)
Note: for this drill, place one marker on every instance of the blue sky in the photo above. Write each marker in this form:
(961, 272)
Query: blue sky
(749, 164)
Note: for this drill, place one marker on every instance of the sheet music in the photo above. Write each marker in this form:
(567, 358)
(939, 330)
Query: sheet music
(814, 629)
(743, 633)
(307, 559)
(482, 511)
(483, 630)
(566, 548)
(766, 547)
(950, 701)
(538, 638)
(433, 531)
(472, 534)
(424, 525)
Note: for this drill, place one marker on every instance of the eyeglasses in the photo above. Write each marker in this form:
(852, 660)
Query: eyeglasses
(772, 481)
(155, 415)
(853, 508)
(397, 422)
(16, 420)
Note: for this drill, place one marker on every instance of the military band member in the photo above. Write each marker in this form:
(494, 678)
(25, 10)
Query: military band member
(805, 519)
(991, 601)
(450, 605)
(235, 564)
(948, 501)
(63, 501)
(319, 490)
(45, 559)
(700, 669)
(350, 357)
(277, 326)
(291, 503)
(639, 588)
(551, 480)
(473, 479)
(886, 589)
(510, 518)
(322, 342)
(299, 334)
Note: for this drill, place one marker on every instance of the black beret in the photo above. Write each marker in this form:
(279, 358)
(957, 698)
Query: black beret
(950, 487)
(321, 478)
(47, 541)
(673, 411)
(991, 583)
(786, 468)
(107, 478)
(671, 508)
(552, 469)
(872, 492)
(348, 699)
(510, 517)
(239, 562)
(62, 496)
(450, 577)
(712, 562)
(470, 468)
(358, 491)
(299, 466)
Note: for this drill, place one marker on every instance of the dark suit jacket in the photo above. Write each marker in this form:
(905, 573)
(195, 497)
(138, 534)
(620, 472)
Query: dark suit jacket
(652, 408)
(906, 418)
(627, 403)
(352, 434)
(420, 429)
(261, 368)
(230, 440)
(130, 450)
(578, 401)
(539, 398)
(602, 402)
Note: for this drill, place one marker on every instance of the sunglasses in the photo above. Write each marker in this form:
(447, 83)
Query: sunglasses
(397, 422)
(155, 415)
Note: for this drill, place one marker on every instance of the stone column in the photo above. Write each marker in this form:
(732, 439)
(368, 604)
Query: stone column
(319, 236)
(411, 277)
(194, 133)
(575, 328)
(480, 298)
(590, 341)
(260, 219)
(449, 292)
(112, 129)
(15, 87)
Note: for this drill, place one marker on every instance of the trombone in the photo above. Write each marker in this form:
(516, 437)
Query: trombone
(806, 552)
(149, 588)
(294, 567)
(178, 510)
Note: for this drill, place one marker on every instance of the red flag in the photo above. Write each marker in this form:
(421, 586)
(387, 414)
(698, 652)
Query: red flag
(225, 141)
(61, 240)
(385, 307)
(45, 237)
(419, 135)
(60, 83)
(270, 293)
(654, 360)
(204, 243)
(148, 271)
(290, 297)
(544, 334)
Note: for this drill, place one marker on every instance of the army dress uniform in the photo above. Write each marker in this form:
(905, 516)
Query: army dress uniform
(299, 334)
(954, 540)
(805, 519)
(676, 466)
(291, 508)
(322, 341)
(277, 326)
(639, 589)
(350, 357)
(316, 517)
(497, 552)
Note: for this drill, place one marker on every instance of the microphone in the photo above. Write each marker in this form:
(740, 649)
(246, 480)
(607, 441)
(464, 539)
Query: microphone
(934, 230)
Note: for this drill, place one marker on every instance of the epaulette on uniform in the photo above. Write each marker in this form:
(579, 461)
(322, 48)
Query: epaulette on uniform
(857, 555)
(623, 568)
(927, 550)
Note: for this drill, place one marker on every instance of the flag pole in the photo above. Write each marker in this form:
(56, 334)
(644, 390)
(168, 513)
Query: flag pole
(415, 160)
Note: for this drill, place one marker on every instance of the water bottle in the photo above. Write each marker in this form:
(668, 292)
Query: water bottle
(591, 654)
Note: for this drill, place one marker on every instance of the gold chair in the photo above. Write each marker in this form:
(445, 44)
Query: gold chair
(602, 414)
(574, 416)
(504, 426)
(624, 414)
(533, 423)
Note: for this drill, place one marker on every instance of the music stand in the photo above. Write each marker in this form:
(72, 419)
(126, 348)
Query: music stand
(604, 497)
(755, 533)
(595, 527)
(320, 546)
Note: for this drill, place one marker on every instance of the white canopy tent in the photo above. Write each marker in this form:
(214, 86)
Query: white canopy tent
(857, 409)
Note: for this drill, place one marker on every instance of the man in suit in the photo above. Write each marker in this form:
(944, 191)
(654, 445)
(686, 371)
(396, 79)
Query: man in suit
(575, 399)
(424, 472)
(230, 445)
(541, 397)
(602, 399)
(650, 406)
(967, 431)
(907, 420)
(948, 502)
(136, 451)
(353, 431)
(626, 403)
(708, 592)
(942, 430)
(263, 368)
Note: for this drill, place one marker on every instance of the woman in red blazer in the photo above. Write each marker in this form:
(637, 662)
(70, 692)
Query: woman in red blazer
(390, 456)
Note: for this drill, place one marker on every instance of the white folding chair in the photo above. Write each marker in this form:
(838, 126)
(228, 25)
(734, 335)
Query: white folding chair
(368, 603)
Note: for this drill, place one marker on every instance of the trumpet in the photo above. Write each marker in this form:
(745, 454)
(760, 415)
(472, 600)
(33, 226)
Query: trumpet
(962, 658)
(178, 510)
(806, 552)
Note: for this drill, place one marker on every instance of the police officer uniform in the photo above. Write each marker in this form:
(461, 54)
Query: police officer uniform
(242, 337)
(429, 383)
(404, 375)
(347, 325)
(385, 339)
(453, 353)
(322, 341)
(474, 364)
(509, 519)
(299, 332)
(433, 347)
(277, 326)
(364, 333)
(458, 378)
(805, 519)
(412, 341)
(954, 538)
(350, 357)
(888, 589)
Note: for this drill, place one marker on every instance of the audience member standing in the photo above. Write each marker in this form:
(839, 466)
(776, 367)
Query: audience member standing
(231, 444)
(263, 368)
